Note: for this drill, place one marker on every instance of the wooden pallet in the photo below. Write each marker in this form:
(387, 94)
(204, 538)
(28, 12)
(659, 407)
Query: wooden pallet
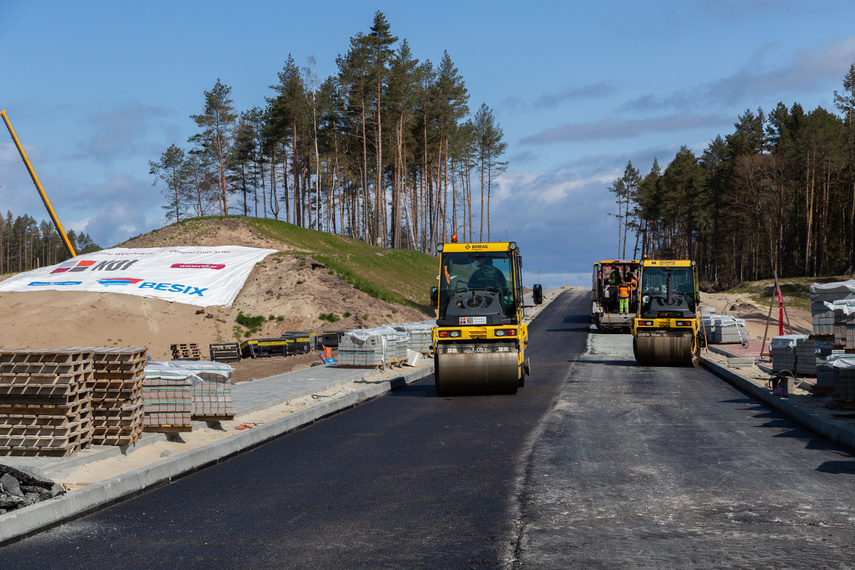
(56, 355)
(168, 428)
(213, 418)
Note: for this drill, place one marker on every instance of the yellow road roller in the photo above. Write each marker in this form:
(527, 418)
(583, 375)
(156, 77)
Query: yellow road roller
(666, 328)
(480, 337)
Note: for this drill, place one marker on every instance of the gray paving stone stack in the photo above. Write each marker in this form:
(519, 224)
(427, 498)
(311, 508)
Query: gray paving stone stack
(723, 329)
(823, 295)
(168, 398)
(420, 337)
(843, 382)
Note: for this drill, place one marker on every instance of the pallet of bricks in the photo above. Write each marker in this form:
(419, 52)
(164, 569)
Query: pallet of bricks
(168, 398)
(833, 314)
(212, 393)
(795, 353)
(45, 401)
(188, 351)
(843, 379)
(371, 348)
(117, 399)
(420, 335)
(723, 329)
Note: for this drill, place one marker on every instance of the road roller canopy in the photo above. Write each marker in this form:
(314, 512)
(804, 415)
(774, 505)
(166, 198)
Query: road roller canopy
(668, 290)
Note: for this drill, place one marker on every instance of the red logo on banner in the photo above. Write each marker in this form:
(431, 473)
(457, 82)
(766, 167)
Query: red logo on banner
(198, 266)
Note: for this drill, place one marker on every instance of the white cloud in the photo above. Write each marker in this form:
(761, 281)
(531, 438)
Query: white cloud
(617, 129)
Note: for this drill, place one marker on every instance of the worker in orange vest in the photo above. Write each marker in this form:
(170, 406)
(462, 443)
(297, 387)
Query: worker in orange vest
(623, 297)
(633, 288)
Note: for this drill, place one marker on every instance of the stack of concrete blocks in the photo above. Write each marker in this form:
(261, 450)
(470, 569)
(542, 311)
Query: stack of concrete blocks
(398, 342)
(117, 400)
(420, 335)
(168, 397)
(844, 322)
(784, 351)
(806, 357)
(821, 297)
(372, 348)
(212, 394)
(45, 401)
(723, 329)
(843, 383)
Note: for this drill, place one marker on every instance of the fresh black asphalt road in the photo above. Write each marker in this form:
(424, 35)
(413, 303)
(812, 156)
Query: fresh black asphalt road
(597, 462)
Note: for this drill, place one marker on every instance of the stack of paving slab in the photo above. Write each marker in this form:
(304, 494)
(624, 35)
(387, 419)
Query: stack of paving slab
(45, 401)
(843, 379)
(371, 348)
(821, 295)
(168, 397)
(420, 335)
(117, 399)
(796, 353)
(212, 394)
(844, 322)
(723, 329)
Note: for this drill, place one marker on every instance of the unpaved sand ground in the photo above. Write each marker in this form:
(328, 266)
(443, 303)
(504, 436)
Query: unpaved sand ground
(757, 319)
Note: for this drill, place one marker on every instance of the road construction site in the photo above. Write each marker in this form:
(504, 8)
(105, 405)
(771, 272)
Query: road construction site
(270, 407)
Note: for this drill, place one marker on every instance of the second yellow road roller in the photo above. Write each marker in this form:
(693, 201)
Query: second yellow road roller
(666, 328)
(480, 336)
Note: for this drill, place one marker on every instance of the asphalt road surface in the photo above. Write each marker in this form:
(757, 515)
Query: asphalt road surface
(408, 480)
(668, 467)
(597, 462)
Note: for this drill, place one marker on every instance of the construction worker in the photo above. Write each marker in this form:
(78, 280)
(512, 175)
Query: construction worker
(633, 288)
(623, 297)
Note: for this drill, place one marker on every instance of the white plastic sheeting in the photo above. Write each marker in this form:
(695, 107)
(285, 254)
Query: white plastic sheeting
(201, 276)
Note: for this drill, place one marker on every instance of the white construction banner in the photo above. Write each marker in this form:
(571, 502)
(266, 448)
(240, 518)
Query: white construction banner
(203, 276)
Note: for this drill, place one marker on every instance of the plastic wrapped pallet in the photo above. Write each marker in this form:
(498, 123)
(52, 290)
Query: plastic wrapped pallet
(784, 351)
(420, 335)
(723, 329)
(820, 294)
(370, 347)
(844, 321)
(167, 393)
(843, 382)
(806, 357)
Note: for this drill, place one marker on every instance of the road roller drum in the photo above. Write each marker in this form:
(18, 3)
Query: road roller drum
(666, 348)
(464, 370)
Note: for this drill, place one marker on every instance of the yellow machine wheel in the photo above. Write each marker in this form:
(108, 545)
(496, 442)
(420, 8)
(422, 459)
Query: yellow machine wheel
(666, 348)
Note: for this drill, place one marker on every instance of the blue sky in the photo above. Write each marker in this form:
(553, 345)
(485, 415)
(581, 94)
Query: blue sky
(96, 89)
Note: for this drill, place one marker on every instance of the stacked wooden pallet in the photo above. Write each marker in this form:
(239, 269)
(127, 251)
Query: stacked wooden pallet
(117, 395)
(45, 401)
(188, 351)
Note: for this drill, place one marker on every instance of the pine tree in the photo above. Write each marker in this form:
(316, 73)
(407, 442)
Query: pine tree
(217, 122)
(171, 170)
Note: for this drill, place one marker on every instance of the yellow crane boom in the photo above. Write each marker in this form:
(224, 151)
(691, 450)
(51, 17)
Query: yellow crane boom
(38, 184)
